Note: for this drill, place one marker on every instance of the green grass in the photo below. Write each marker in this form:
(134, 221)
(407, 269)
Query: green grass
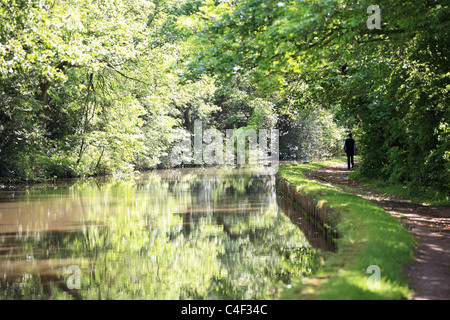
(368, 236)
(429, 196)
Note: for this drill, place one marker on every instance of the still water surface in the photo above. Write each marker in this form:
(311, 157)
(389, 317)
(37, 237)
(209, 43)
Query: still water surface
(168, 234)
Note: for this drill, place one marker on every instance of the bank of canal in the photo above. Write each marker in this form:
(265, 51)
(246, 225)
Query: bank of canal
(372, 246)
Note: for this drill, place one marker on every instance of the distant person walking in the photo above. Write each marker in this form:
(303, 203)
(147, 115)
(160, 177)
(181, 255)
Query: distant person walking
(350, 148)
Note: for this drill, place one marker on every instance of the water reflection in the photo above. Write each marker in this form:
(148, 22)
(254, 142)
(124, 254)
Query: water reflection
(170, 234)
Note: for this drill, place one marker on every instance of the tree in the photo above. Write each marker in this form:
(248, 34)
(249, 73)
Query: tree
(389, 84)
(79, 81)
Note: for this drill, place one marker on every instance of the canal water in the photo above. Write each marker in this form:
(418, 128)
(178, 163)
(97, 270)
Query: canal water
(168, 234)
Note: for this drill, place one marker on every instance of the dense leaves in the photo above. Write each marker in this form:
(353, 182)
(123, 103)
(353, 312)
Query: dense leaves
(92, 87)
(87, 86)
(389, 84)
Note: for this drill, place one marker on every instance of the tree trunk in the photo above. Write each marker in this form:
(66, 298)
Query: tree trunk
(43, 96)
(187, 120)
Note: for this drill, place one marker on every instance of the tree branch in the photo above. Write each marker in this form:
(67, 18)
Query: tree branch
(125, 76)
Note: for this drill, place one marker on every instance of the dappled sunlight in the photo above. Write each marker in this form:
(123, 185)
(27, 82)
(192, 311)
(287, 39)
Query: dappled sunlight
(367, 236)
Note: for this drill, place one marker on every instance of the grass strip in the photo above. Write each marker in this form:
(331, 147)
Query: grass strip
(369, 237)
(429, 196)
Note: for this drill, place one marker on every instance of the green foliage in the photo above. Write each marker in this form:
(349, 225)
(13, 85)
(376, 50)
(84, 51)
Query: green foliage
(390, 84)
(368, 236)
(310, 134)
(89, 87)
(307, 67)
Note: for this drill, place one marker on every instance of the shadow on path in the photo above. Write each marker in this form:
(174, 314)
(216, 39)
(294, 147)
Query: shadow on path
(429, 274)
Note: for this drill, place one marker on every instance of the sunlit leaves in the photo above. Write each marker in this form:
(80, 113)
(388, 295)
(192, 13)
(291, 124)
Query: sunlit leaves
(79, 69)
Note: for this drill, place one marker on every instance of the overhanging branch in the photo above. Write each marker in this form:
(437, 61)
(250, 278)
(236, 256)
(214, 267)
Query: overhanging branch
(125, 76)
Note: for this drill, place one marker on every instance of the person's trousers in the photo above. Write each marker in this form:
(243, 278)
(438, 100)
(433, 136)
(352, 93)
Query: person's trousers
(350, 160)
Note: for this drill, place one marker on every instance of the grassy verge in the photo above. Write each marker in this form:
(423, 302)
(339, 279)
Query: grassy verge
(429, 196)
(369, 237)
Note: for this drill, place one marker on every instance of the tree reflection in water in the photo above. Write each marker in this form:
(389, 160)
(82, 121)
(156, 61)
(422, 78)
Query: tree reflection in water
(169, 234)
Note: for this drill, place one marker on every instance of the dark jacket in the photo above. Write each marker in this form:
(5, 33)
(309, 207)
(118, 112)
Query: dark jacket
(350, 146)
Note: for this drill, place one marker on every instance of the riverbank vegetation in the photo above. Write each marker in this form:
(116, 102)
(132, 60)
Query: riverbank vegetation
(370, 241)
(431, 195)
(99, 87)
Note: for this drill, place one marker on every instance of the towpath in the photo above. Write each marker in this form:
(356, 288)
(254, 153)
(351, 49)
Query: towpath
(429, 274)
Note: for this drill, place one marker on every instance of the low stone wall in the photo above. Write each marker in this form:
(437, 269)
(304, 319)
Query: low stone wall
(319, 214)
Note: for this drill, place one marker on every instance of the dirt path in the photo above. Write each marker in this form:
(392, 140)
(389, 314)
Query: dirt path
(429, 274)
